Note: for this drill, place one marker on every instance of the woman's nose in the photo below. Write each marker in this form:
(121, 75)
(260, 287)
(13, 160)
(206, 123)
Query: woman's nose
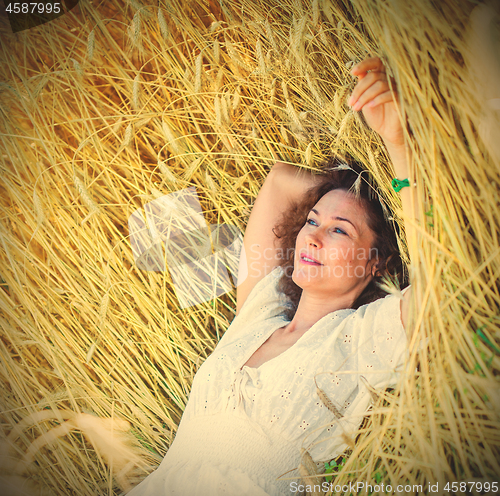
(314, 240)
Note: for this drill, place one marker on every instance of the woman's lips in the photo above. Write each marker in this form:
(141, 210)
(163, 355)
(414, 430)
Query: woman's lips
(307, 260)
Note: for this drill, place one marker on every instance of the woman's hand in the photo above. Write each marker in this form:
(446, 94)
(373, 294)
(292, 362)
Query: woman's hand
(373, 96)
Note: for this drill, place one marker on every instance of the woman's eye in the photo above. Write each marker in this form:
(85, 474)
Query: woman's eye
(337, 230)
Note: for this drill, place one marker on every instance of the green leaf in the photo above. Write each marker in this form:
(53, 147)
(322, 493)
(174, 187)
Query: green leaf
(481, 334)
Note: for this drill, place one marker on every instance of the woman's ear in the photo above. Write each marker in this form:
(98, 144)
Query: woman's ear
(375, 268)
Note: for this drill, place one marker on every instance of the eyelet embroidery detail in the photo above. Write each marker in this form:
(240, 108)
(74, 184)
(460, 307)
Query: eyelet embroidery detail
(286, 394)
(304, 425)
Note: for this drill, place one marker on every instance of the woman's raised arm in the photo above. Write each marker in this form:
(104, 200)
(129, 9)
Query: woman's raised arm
(374, 98)
(284, 184)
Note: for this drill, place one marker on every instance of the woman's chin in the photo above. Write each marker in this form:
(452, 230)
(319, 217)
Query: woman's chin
(304, 277)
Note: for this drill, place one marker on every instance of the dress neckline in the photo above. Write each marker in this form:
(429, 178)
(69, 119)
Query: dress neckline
(266, 336)
(274, 328)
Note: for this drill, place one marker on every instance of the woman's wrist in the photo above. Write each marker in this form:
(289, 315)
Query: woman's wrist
(399, 154)
(399, 158)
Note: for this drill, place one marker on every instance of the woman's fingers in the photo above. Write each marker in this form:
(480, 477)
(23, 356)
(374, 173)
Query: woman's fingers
(375, 90)
(380, 99)
(370, 64)
(369, 87)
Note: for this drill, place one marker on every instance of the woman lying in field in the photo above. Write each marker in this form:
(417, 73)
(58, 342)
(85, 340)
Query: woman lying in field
(310, 313)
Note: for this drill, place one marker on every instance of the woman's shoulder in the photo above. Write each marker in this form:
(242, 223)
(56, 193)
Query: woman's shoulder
(382, 340)
(265, 292)
(385, 311)
(265, 301)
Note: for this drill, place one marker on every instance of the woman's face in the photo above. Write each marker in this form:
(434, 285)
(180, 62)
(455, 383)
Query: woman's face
(333, 251)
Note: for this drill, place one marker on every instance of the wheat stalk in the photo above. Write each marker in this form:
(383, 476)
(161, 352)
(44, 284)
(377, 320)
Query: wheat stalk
(260, 57)
(198, 73)
(136, 103)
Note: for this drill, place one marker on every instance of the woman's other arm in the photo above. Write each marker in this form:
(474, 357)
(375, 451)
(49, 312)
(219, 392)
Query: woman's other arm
(399, 160)
(284, 184)
(373, 96)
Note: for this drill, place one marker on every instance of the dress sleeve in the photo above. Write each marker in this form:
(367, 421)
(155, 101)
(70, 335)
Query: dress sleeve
(263, 302)
(382, 341)
(379, 356)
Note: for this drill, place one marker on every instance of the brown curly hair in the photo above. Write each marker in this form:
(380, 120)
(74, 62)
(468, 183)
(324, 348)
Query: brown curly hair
(354, 178)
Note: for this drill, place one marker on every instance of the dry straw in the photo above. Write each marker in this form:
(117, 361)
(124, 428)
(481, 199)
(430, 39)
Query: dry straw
(70, 344)
(198, 73)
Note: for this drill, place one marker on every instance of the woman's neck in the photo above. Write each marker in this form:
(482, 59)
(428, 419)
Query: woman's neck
(311, 309)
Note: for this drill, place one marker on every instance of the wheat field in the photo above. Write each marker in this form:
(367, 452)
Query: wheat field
(116, 104)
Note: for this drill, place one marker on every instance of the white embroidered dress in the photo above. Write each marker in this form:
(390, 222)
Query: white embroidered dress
(243, 427)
